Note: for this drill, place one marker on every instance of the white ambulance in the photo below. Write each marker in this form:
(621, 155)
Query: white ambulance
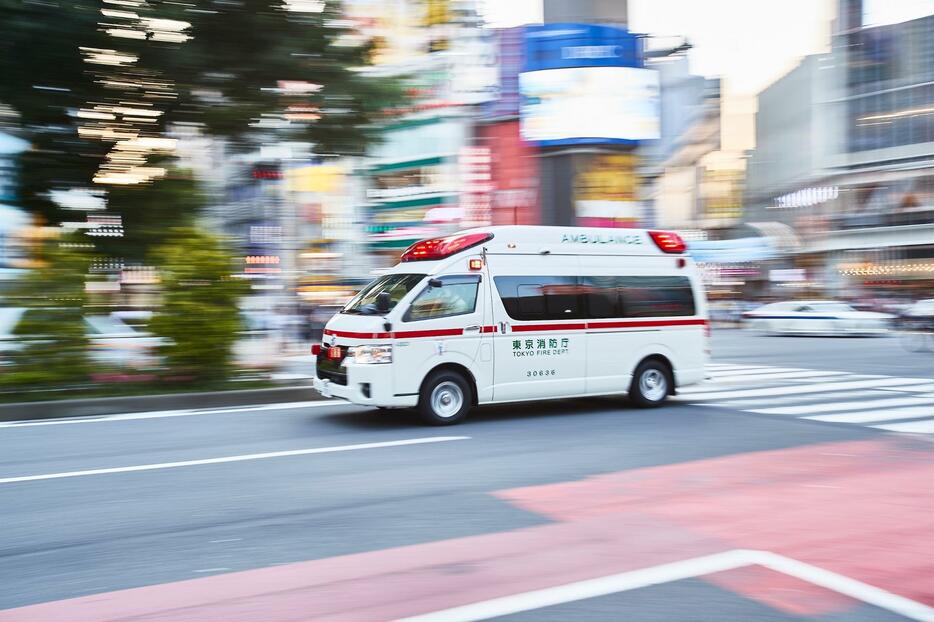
(518, 313)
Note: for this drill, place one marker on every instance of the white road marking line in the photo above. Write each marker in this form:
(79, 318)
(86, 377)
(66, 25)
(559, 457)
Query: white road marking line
(212, 570)
(813, 409)
(817, 387)
(240, 458)
(226, 540)
(877, 415)
(676, 571)
(808, 375)
(918, 427)
(160, 414)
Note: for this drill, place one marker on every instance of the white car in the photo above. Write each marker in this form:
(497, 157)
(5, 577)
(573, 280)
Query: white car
(920, 309)
(112, 341)
(816, 317)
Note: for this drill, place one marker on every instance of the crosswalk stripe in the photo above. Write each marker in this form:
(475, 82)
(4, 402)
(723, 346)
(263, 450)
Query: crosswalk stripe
(736, 367)
(816, 387)
(917, 412)
(797, 375)
(923, 387)
(756, 372)
(918, 427)
(797, 400)
(812, 409)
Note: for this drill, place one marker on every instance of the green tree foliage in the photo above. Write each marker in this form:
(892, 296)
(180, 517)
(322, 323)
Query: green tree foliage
(150, 212)
(199, 316)
(215, 63)
(52, 329)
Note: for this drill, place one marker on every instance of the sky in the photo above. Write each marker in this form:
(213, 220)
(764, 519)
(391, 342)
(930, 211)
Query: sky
(747, 43)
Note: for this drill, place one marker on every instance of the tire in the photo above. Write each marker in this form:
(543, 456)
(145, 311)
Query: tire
(445, 398)
(651, 384)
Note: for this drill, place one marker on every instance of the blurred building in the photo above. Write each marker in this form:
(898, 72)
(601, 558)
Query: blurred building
(673, 166)
(845, 156)
(514, 171)
(430, 173)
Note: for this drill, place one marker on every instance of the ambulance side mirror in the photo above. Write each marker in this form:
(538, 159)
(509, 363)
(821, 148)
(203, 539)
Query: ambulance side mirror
(435, 283)
(383, 302)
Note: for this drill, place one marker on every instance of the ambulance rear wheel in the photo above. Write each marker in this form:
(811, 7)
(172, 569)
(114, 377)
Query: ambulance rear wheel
(445, 398)
(651, 384)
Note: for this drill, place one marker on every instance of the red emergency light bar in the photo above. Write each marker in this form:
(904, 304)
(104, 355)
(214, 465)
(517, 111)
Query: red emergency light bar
(668, 241)
(439, 248)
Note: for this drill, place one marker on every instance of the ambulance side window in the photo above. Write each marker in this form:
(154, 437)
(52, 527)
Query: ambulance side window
(456, 296)
(540, 297)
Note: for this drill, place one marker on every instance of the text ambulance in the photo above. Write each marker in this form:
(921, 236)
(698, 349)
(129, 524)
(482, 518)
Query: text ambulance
(509, 314)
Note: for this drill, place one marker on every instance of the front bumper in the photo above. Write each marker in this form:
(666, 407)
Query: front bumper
(367, 385)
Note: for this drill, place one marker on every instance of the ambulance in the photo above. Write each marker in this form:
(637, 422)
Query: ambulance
(520, 313)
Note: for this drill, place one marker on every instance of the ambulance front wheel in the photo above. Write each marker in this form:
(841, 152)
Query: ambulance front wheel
(445, 398)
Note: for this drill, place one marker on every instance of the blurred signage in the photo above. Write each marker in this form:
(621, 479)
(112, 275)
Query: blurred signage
(436, 20)
(556, 46)
(265, 234)
(318, 178)
(475, 195)
(590, 105)
(505, 103)
(605, 193)
(721, 194)
(790, 275)
(806, 197)
(266, 172)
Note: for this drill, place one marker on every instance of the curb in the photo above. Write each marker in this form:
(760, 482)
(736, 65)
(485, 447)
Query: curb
(146, 403)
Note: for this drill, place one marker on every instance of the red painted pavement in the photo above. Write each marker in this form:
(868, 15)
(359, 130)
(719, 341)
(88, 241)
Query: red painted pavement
(859, 509)
(862, 509)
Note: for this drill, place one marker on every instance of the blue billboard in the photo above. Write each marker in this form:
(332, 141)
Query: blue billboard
(558, 46)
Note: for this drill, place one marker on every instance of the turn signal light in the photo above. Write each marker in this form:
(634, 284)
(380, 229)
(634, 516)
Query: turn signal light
(668, 241)
(315, 349)
(440, 248)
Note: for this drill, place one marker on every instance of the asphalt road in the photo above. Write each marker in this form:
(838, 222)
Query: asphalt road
(330, 512)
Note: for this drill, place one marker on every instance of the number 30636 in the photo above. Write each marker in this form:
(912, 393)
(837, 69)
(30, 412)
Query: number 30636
(535, 373)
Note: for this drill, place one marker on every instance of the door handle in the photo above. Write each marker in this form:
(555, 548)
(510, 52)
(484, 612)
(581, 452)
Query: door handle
(472, 329)
(503, 326)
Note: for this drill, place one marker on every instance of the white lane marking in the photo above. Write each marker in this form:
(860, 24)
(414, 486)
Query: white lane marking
(729, 366)
(916, 427)
(676, 571)
(726, 393)
(798, 375)
(240, 458)
(160, 414)
(226, 540)
(813, 409)
(212, 570)
(877, 415)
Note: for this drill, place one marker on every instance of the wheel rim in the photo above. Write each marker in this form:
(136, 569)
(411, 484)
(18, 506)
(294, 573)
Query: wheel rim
(447, 399)
(653, 385)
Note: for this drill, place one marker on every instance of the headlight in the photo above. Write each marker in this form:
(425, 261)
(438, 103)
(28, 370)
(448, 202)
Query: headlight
(370, 355)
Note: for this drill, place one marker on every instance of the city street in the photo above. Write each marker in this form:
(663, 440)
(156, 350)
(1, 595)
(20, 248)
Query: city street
(793, 485)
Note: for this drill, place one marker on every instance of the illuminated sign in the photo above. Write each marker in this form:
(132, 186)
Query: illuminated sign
(590, 105)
